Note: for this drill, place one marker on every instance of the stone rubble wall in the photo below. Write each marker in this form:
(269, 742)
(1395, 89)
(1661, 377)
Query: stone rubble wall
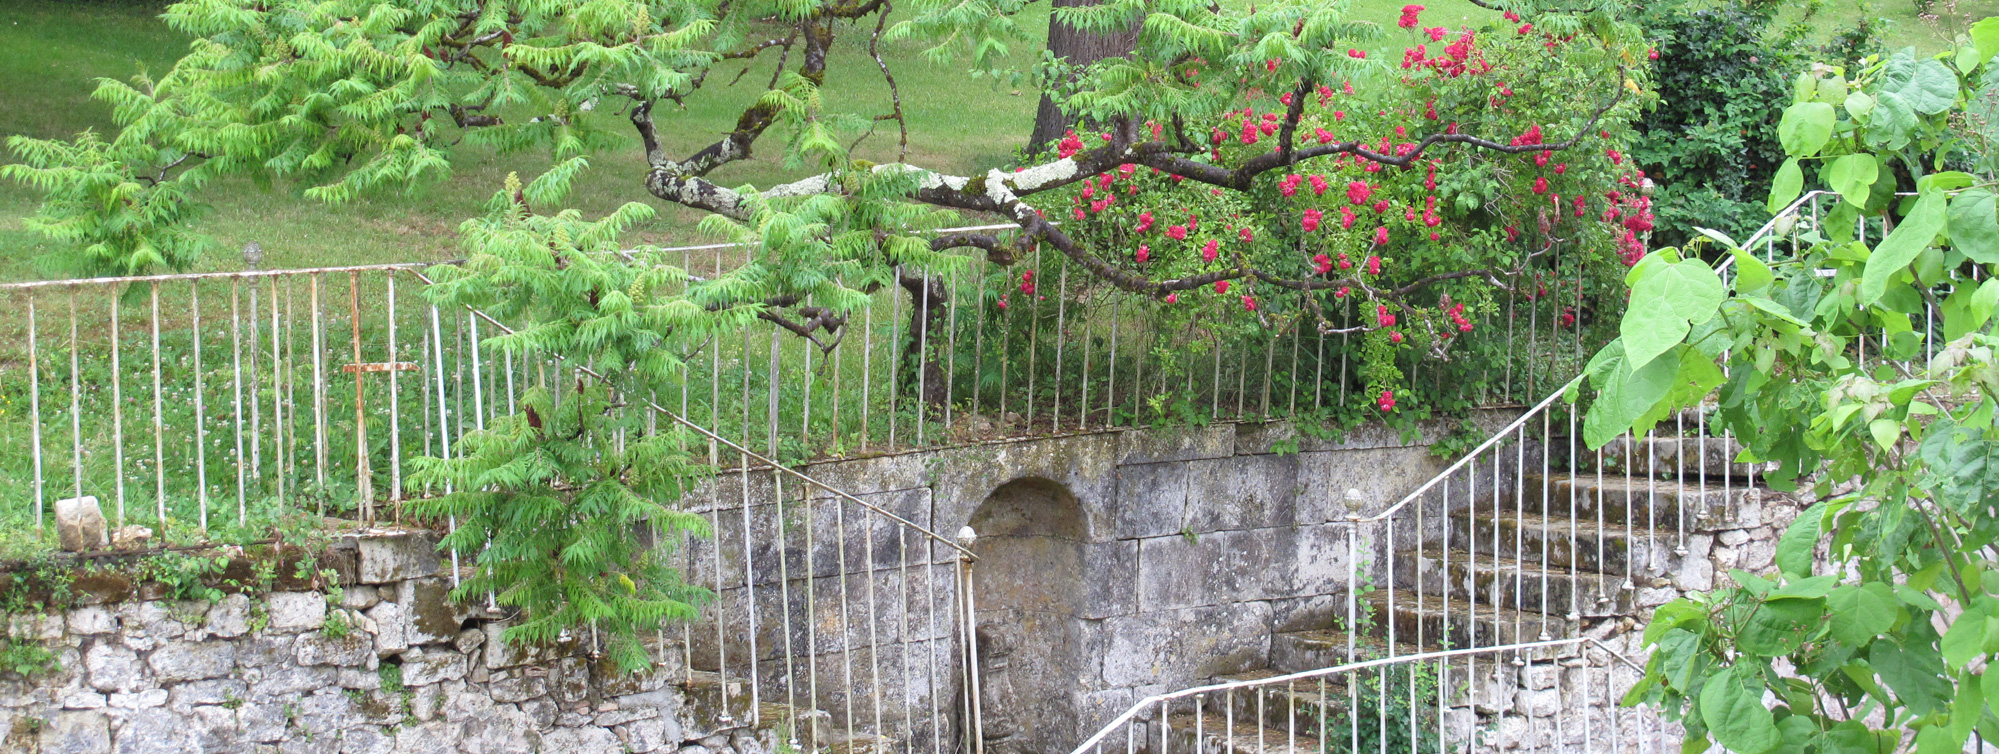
(264, 674)
(1198, 546)
(1539, 708)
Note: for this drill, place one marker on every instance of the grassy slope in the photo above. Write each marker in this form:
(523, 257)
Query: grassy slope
(51, 53)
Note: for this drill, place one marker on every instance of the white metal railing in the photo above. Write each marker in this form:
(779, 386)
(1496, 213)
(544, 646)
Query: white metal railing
(1413, 703)
(1529, 539)
(199, 403)
(217, 416)
(190, 400)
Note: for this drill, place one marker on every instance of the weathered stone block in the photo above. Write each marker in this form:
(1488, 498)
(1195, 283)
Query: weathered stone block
(77, 733)
(366, 740)
(579, 741)
(431, 616)
(1176, 444)
(1151, 500)
(1214, 568)
(422, 668)
(216, 691)
(391, 628)
(645, 736)
(80, 524)
(1179, 647)
(1243, 492)
(92, 620)
(399, 557)
(359, 597)
(189, 661)
(296, 611)
(353, 650)
(155, 731)
(229, 617)
(113, 668)
(289, 680)
(139, 699)
(518, 688)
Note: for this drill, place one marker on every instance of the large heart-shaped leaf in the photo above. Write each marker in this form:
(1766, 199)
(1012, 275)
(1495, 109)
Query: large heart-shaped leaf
(1667, 299)
(1860, 612)
(1890, 122)
(1805, 128)
(1732, 707)
(1900, 248)
(1985, 36)
(1931, 89)
(1853, 177)
(1974, 228)
(1789, 183)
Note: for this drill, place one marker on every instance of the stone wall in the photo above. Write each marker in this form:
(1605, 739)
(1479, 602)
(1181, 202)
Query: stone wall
(1113, 566)
(1567, 702)
(411, 672)
(1193, 548)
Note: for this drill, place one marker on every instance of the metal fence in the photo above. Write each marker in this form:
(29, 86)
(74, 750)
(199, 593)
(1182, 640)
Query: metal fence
(210, 406)
(186, 402)
(1524, 553)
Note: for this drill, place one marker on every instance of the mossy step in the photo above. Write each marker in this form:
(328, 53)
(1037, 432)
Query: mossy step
(1292, 705)
(1681, 456)
(1562, 542)
(1299, 651)
(1512, 583)
(1441, 622)
(1588, 498)
(1215, 732)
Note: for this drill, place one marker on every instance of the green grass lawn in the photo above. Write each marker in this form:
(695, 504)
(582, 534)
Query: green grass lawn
(50, 55)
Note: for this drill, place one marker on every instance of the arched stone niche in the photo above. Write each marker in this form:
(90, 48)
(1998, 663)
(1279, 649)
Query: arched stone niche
(1029, 584)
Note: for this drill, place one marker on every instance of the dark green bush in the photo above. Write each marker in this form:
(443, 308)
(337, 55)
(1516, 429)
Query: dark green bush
(1724, 76)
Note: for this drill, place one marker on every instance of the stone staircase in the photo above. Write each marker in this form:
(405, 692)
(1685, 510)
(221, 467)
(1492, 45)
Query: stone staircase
(1553, 555)
(776, 725)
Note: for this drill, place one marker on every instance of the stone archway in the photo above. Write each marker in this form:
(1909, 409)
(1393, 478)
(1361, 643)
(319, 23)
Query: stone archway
(1029, 585)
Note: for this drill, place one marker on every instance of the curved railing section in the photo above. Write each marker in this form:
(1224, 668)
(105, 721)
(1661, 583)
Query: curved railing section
(1418, 703)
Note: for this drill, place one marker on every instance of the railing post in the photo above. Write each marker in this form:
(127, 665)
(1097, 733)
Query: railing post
(968, 622)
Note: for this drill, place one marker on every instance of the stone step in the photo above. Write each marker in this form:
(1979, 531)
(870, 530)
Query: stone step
(815, 729)
(1513, 584)
(1212, 732)
(1668, 456)
(1419, 624)
(1299, 651)
(1616, 499)
(1562, 542)
(1444, 623)
(1294, 705)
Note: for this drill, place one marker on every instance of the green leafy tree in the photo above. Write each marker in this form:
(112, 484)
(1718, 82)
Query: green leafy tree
(1514, 125)
(1864, 369)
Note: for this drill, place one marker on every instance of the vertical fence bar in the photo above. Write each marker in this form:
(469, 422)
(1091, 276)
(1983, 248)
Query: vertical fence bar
(118, 415)
(35, 412)
(159, 422)
(200, 410)
(76, 393)
(236, 385)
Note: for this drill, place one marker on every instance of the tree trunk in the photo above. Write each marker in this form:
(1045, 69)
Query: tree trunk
(1080, 48)
(921, 373)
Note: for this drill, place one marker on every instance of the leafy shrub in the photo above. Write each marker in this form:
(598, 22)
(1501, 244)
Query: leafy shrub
(1710, 143)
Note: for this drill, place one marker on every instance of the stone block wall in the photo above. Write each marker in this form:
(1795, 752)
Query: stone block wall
(411, 672)
(1538, 708)
(1197, 545)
